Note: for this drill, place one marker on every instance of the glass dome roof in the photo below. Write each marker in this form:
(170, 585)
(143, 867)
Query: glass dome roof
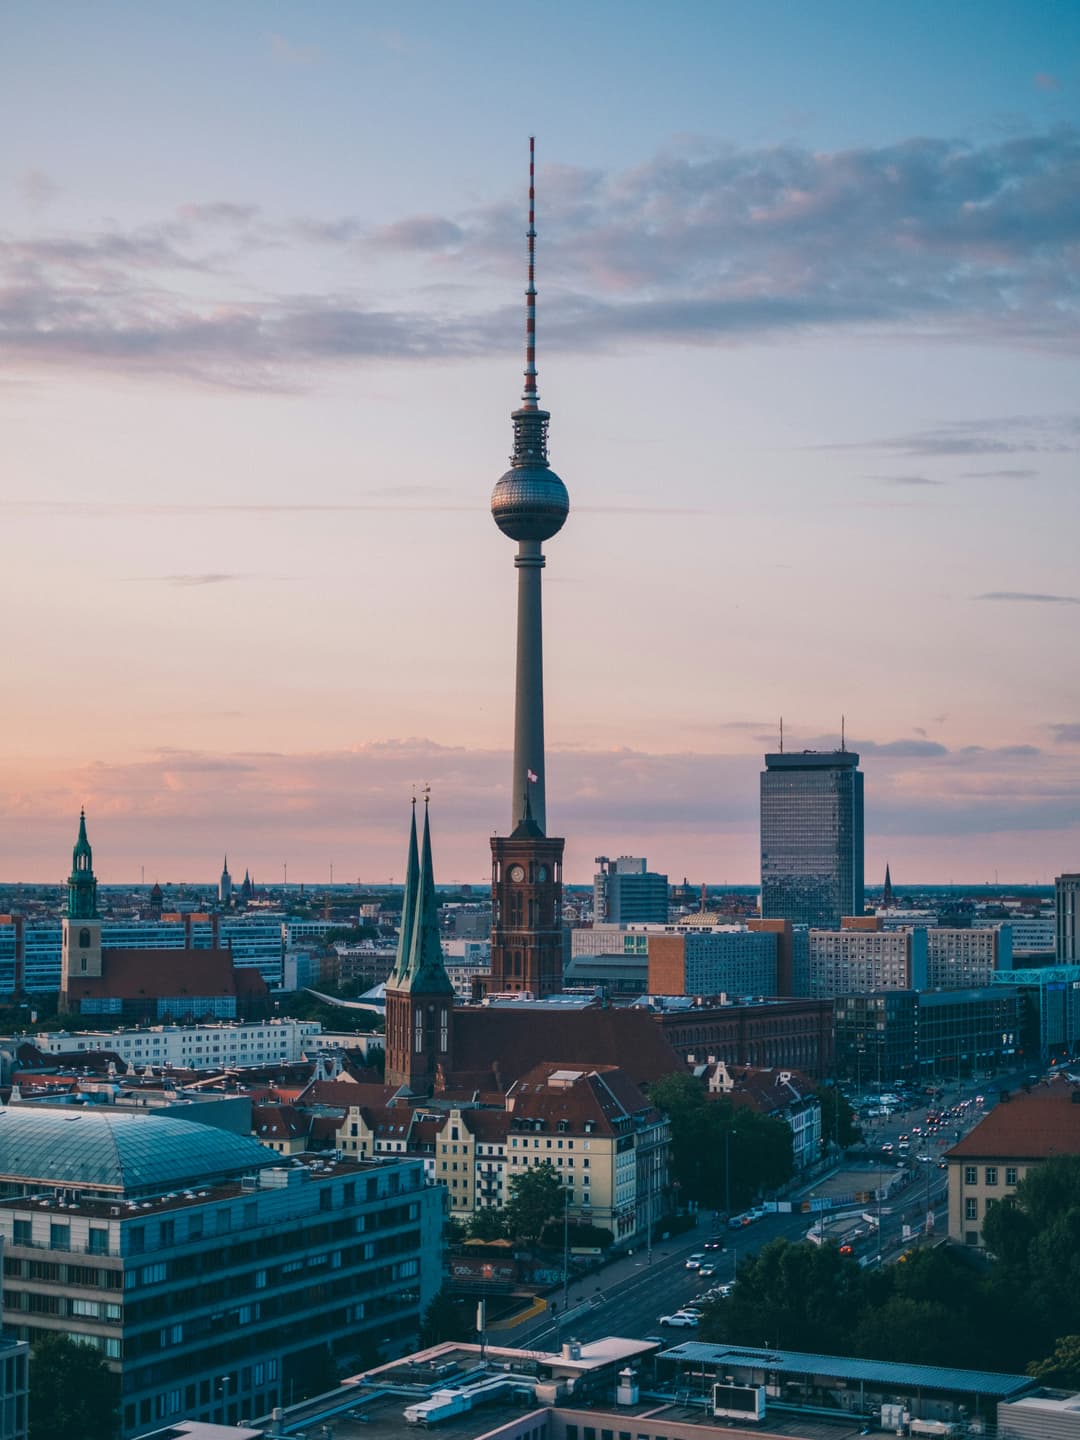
(123, 1154)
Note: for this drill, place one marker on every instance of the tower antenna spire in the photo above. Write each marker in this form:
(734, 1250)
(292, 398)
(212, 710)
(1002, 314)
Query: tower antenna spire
(530, 398)
(781, 734)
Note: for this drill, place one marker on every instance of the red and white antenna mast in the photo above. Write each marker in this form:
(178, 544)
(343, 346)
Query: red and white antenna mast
(530, 398)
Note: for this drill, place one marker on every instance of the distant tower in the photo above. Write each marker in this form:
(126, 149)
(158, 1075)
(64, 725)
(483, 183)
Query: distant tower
(886, 894)
(156, 901)
(225, 885)
(419, 995)
(529, 504)
(80, 951)
(246, 889)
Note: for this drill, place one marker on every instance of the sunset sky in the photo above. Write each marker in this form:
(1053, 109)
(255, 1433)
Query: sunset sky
(809, 286)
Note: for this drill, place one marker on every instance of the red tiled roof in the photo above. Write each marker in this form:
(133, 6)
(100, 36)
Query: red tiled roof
(159, 974)
(509, 1043)
(1027, 1126)
(601, 1094)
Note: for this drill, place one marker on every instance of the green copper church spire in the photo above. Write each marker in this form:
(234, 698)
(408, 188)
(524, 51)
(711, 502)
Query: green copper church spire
(426, 972)
(82, 887)
(408, 907)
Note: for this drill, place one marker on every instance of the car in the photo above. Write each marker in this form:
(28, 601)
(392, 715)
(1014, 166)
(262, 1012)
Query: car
(886, 1149)
(723, 1292)
(758, 1212)
(846, 1250)
(904, 1139)
(680, 1319)
(924, 1157)
(693, 1310)
(738, 1221)
(707, 1269)
(716, 1242)
(694, 1262)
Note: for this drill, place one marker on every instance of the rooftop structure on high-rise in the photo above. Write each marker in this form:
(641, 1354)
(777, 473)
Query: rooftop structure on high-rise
(812, 837)
(529, 505)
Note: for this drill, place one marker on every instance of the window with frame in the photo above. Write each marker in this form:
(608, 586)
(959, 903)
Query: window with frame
(971, 1209)
(1010, 1175)
(991, 1174)
(971, 1174)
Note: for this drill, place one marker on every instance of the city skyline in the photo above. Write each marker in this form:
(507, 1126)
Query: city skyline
(808, 327)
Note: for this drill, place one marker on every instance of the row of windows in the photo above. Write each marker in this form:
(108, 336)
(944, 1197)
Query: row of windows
(990, 1175)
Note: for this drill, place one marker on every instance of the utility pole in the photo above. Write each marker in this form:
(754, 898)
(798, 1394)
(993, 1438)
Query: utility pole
(566, 1249)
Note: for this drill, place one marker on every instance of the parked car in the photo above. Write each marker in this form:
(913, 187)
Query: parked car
(724, 1291)
(680, 1319)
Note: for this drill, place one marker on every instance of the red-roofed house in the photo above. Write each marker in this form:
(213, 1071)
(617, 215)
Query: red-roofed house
(1020, 1132)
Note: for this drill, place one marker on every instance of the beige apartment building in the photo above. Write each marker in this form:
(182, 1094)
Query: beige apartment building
(592, 1124)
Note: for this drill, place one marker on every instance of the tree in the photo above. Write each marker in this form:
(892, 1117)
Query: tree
(487, 1224)
(838, 1121)
(72, 1391)
(447, 1317)
(720, 1151)
(536, 1196)
(1062, 1367)
(799, 1296)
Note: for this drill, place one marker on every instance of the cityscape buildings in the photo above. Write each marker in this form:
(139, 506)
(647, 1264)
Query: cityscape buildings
(812, 837)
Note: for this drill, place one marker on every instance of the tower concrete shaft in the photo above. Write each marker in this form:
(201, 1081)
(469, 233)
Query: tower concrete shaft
(529, 794)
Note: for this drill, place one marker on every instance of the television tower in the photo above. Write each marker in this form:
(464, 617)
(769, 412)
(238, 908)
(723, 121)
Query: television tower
(530, 505)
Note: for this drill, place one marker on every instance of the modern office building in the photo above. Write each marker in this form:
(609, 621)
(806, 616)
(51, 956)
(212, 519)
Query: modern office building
(1053, 996)
(627, 892)
(958, 959)
(933, 1036)
(726, 960)
(207, 1272)
(860, 961)
(812, 837)
(1067, 918)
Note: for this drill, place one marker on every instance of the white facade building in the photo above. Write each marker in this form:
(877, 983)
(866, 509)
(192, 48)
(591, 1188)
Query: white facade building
(195, 1046)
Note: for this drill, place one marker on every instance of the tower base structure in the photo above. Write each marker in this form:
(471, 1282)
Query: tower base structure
(527, 945)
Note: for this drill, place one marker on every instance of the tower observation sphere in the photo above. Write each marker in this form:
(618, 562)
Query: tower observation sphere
(530, 502)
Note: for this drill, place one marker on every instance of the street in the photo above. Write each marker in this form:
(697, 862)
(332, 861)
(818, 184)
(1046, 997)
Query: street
(629, 1296)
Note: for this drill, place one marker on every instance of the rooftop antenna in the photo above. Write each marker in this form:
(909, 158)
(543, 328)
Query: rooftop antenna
(843, 745)
(530, 398)
(781, 734)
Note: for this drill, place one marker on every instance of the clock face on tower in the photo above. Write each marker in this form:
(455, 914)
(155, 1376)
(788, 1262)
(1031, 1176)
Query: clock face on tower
(517, 874)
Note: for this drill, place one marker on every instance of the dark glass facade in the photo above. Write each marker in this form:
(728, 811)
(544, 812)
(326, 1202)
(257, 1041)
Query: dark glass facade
(812, 838)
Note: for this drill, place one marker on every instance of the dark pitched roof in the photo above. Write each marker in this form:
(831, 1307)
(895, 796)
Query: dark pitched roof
(158, 974)
(508, 1043)
(1028, 1126)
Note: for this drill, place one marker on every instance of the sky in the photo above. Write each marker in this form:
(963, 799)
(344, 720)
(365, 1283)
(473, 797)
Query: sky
(809, 280)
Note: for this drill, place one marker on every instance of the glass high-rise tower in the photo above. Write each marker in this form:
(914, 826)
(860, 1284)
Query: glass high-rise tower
(812, 837)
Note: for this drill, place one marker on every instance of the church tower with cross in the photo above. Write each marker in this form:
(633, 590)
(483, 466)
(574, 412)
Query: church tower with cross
(529, 505)
(80, 946)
